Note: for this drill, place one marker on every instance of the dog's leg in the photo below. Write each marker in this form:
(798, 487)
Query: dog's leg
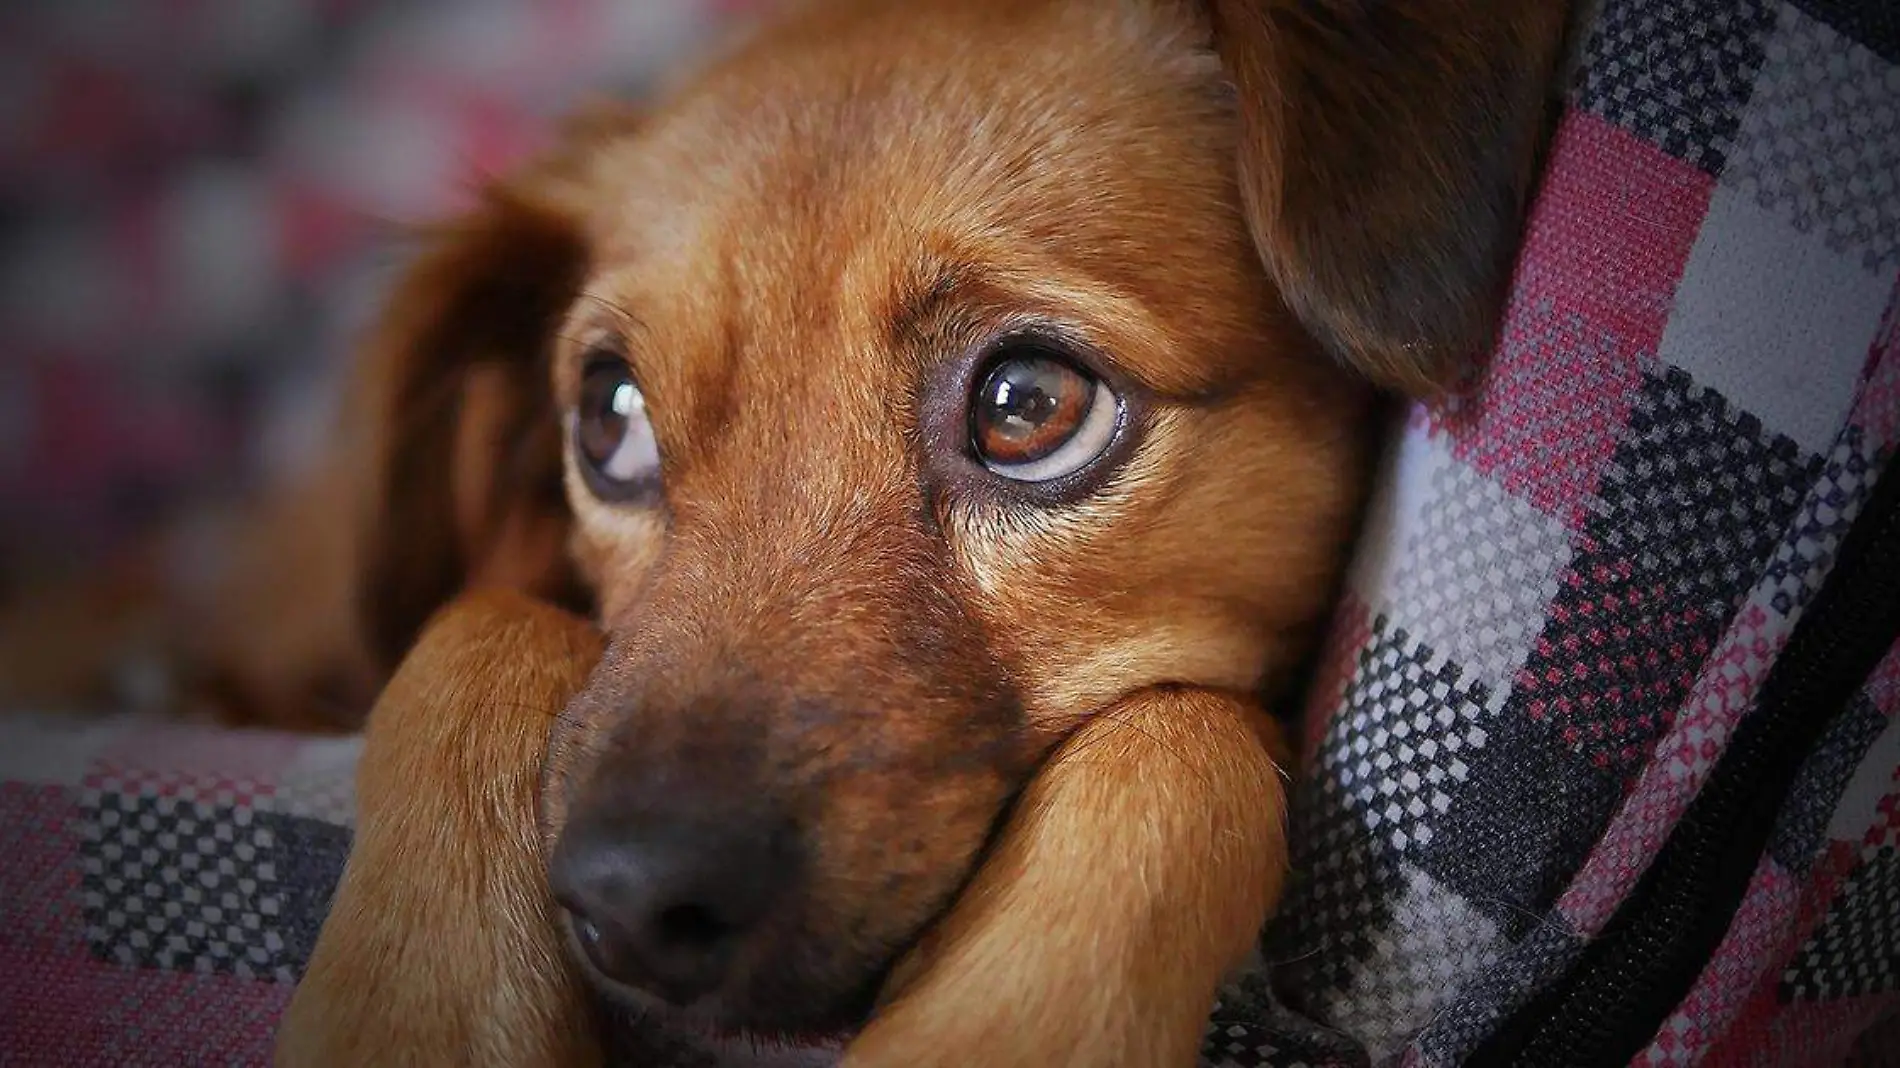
(1135, 873)
(441, 945)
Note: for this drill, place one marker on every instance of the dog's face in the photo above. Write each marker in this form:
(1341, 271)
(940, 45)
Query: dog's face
(917, 407)
(919, 387)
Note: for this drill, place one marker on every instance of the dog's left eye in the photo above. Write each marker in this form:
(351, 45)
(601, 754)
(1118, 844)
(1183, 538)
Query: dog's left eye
(1037, 417)
(613, 440)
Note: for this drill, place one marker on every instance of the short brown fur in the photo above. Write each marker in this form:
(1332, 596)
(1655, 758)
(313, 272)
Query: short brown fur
(456, 961)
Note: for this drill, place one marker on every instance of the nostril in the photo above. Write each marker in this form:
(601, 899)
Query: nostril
(691, 926)
(589, 933)
(677, 952)
(670, 929)
(604, 955)
(668, 909)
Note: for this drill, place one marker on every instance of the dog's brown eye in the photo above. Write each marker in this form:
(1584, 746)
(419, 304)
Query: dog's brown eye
(1037, 417)
(613, 440)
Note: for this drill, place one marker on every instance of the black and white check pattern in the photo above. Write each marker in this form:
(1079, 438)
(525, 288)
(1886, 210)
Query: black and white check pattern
(1819, 142)
(1478, 574)
(1526, 818)
(1250, 1029)
(188, 883)
(181, 884)
(1403, 740)
(1857, 950)
(1345, 878)
(1677, 72)
(1434, 941)
(1834, 501)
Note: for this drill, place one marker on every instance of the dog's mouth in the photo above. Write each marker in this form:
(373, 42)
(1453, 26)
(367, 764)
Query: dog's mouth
(772, 1007)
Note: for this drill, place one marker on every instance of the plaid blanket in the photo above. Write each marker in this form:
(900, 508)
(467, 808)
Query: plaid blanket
(1578, 579)
(162, 887)
(1556, 660)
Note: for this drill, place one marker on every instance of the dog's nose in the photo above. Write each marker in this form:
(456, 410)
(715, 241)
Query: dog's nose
(666, 908)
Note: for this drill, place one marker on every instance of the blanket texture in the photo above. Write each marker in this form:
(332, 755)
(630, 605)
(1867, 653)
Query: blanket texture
(1577, 578)
(1574, 587)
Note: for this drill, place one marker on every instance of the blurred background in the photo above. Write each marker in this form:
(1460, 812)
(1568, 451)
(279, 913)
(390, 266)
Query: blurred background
(201, 199)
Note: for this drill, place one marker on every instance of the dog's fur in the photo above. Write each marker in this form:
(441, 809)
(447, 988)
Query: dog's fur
(440, 947)
(1022, 738)
(443, 947)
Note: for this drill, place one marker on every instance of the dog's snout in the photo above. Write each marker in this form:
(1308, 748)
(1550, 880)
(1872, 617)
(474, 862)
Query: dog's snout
(666, 906)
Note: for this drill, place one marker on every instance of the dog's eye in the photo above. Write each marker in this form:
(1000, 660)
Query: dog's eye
(1037, 417)
(612, 438)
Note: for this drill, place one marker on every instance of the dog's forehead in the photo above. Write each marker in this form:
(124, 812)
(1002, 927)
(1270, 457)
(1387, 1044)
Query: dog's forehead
(776, 221)
(933, 108)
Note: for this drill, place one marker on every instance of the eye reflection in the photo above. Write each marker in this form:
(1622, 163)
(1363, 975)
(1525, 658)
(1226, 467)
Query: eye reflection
(1036, 416)
(613, 438)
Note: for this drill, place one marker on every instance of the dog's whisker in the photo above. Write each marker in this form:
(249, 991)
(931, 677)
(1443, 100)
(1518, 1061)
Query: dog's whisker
(611, 305)
(1284, 962)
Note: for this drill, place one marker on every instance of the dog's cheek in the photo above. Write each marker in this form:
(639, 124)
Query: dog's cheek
(1204, 563)
(1051, 585)
(614, 552)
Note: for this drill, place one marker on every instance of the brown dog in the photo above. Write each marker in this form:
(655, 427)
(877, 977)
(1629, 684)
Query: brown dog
(953, 414)
(945, 385)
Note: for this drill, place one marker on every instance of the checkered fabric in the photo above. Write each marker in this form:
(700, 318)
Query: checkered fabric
(1578, 574)
(162, 890)
(1573, 584)
(162, 887)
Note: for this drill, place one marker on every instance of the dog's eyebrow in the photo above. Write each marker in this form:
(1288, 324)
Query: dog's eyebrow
(1118, 326)
(922, 296)
(594, 310)
(595, 318)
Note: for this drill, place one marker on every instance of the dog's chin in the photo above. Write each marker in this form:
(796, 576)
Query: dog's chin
(784, 1012)
(724, 1021)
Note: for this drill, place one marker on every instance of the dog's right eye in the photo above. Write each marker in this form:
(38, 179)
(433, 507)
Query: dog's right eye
(1037, 417)
(613, 440)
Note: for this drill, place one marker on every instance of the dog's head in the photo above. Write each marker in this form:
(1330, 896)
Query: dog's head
(916, 382)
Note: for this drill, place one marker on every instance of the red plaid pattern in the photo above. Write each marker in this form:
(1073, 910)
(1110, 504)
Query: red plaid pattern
(1612, 539)
(152, 908)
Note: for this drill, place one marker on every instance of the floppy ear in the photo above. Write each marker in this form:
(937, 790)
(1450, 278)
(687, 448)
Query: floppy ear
(463, 457)
(1387, 150)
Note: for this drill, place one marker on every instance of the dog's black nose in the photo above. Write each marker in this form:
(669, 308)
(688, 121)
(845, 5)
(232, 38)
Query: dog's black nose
(665, 907)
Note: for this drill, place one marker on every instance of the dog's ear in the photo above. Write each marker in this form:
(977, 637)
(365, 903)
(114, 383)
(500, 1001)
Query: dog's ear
(463, 481)
(1387, 150)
